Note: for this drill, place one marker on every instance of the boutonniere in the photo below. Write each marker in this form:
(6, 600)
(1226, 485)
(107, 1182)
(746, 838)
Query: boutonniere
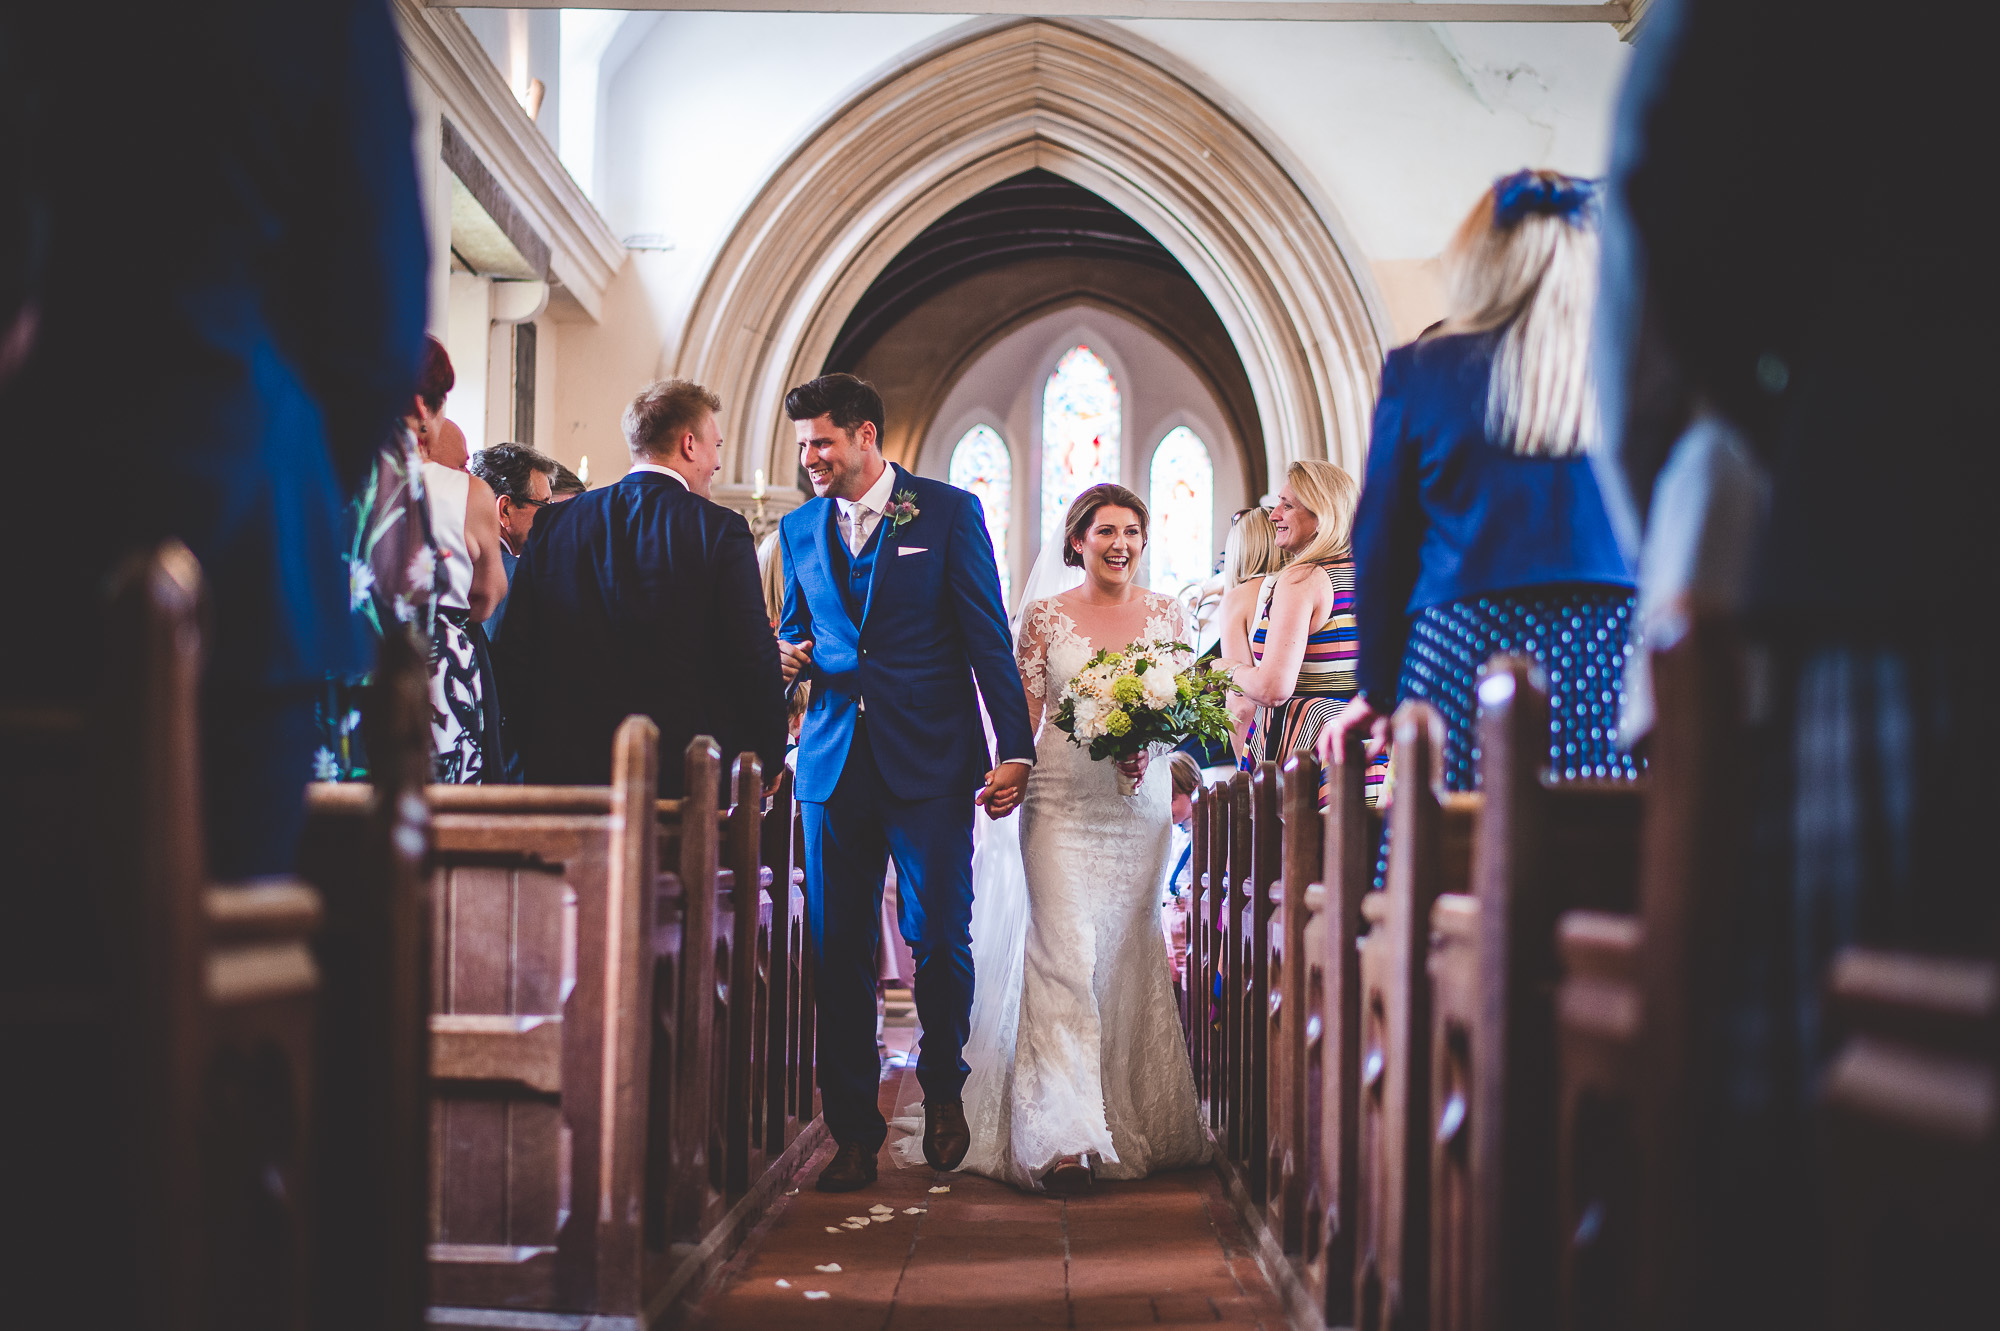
(902, 508)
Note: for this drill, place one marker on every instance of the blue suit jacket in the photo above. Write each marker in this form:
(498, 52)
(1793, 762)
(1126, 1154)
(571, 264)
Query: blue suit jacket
(1446, 514)
(933, 624)
(638, 597)
(235, 368)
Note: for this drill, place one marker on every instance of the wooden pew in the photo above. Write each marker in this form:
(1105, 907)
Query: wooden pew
(1429, 855)
(1911, 1140)
(1332, 1073)
(158, 1030)
(1541, 847)
(1290, 1024)
(621, 1036)
(1636, 988)
(542, 902)
(366, 849)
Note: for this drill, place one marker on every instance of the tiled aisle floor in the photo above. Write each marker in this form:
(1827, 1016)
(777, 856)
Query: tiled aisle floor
(1167, 1250)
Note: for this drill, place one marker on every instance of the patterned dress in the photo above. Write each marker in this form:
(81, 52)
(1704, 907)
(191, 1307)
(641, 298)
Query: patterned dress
(1326, 676)
(392, 587)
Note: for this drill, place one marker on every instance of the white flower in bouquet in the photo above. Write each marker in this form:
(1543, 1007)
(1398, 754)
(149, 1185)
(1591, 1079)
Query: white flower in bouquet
(1152, 693)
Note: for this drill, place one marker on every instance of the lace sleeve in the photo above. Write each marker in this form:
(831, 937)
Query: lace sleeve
(1031, 654)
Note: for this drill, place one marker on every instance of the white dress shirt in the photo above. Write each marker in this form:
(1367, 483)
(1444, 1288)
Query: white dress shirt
(664, 471)
(859, 516)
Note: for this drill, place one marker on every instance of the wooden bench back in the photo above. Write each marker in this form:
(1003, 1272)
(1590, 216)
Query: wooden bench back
(160, 1028)
(1331, 1040)
(1911, 1131)
(366, 848)
(1541, 847)
(542, 901)
(1429, 854)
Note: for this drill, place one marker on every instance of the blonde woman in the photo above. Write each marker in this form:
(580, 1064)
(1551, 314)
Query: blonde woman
(1249, 555)
(1481, 529)
(1294, 658)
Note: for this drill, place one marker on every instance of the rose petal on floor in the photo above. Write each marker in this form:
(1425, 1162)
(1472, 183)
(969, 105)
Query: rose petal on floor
(913, 1210)
(784, 1284)
(818, 1294)
(830, 1269)
(858, 1219)
(942, 1188)
(833, 1229)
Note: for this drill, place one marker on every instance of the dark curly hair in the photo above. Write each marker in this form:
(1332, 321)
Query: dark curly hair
(848, 400)
(1084, 508)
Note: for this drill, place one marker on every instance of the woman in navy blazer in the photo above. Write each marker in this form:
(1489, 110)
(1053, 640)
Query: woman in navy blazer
(1480, 528)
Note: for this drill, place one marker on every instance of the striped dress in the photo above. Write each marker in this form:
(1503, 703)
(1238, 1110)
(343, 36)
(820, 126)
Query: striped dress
(1326, 677)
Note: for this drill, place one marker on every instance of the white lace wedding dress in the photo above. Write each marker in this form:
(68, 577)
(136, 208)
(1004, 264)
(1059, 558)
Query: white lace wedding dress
(1076, 1042)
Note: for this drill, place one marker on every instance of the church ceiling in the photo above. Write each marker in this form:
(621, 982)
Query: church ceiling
(1035, 215)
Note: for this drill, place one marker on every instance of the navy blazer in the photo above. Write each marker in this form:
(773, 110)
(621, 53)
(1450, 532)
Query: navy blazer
(1446, 514)
(638, 597)
(230, 356)
(932, 625)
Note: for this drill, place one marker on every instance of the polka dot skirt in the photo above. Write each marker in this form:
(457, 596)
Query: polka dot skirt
(1577, 632)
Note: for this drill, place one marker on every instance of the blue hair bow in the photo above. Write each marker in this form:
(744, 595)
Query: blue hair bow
(1525, 192)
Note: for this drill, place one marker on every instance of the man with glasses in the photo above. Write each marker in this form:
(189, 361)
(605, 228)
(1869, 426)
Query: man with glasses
(522, 482)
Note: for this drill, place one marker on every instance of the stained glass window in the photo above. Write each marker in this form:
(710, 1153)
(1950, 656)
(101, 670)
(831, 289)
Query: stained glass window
(981, 463)
(1079, 432)
(1183, 502)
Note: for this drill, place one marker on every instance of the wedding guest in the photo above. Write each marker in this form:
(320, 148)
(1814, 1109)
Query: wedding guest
(1842, 333)
(771, 568)
(643, 597)
(522, 483)
(465, 703)
(1176, 900)
(567, 485)
(1250, 553)
(1247, 552)
(1480, 528)
(435, 380)
(392, 588)
(1297, 662)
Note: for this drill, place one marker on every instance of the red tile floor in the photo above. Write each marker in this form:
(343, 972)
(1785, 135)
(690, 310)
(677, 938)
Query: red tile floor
(957, 1250)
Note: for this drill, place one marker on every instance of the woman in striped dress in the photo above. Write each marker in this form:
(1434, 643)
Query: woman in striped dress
(1298, 660)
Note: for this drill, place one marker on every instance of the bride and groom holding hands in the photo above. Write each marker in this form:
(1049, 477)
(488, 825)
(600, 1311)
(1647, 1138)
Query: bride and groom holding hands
(1066, 1059)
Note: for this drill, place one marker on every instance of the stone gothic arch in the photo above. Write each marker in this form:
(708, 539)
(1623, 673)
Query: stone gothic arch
(1083, 101)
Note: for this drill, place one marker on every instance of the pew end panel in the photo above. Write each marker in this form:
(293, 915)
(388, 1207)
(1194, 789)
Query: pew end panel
(1910, 1139)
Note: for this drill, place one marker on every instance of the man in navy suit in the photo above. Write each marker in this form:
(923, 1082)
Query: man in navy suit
(642, 597)
(893, 609)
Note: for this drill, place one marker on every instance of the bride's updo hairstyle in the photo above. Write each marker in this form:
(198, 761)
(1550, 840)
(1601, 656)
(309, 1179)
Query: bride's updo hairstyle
(1083, 510)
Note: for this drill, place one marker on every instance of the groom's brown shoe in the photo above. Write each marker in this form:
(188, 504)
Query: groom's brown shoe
(946, 1137)
(852, 1167)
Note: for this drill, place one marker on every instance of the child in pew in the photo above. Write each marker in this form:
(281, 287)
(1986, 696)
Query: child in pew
(1175, 898)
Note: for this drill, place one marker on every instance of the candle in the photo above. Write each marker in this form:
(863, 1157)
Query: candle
(759, 493)
(583, 469)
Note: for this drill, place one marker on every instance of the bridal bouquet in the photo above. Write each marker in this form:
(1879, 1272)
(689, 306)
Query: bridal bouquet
(1149, 693)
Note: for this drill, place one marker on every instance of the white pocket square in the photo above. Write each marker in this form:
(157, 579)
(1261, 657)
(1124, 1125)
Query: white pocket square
(913, 549)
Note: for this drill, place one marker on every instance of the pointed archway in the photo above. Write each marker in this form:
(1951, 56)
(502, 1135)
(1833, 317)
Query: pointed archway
(1081, 101)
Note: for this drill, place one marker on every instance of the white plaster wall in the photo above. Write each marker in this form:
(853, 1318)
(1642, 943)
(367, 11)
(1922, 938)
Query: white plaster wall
(699, 115)
(1398, 126)
(1157, 391)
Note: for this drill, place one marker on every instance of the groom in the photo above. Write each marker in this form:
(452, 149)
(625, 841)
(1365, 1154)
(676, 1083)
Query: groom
(892, 610)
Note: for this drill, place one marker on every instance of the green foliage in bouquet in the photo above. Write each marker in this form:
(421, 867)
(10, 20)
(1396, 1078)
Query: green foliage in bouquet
(1150, 693)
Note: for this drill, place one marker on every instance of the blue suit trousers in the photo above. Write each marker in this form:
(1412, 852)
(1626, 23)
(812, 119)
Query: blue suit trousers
(849, 841)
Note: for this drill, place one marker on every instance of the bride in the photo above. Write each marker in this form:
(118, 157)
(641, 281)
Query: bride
(1078, 1063)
